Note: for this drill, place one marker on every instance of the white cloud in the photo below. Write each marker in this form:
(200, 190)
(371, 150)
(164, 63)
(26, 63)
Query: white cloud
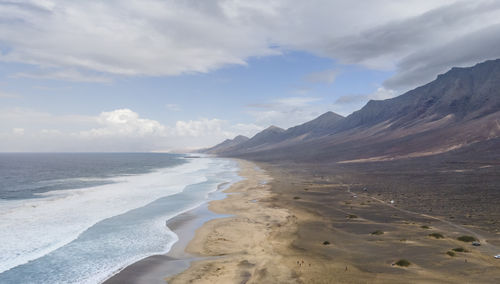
(117, 130)
(127, 37)
(197, 128)
(125, 123)
(382, 93)
(93, 40)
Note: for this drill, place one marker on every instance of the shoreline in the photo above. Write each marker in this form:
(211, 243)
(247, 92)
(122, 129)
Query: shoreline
(154, 268)
(293, 225)
(236, 238)
(251, 245)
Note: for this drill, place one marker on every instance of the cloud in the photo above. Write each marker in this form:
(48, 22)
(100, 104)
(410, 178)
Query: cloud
(116, 131)
(464, 51)
(126, 129)
(380, 94)
(421, 46)
(127, 37)
(196, 128)
(66, 75)
(125, 123)
(345, 104)
(326, 76)
(93, 41)
(213, 128)
(286, 112)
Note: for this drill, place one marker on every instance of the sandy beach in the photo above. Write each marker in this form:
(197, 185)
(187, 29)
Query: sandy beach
(248, 246)
(286, 225)
(239, 239)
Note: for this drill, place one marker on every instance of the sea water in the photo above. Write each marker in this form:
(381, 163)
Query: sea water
(79, 218)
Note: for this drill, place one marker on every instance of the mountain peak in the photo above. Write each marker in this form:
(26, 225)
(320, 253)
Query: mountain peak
(274, 129)
(240, 138)
(329, 115)
(226, 145)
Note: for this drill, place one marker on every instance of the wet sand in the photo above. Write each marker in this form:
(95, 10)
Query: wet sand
(155, 268)
(248, 246)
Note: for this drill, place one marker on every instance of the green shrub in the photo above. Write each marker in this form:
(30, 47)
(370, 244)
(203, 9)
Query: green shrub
(425, 227)
(352, 216)
(296, 197)
(326, 243)
(460, 250)
(378, 232)
(450, 253)
(436, 235)
(466, 239)
(403, 262)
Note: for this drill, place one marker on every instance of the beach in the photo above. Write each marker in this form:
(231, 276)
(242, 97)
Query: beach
(244, 247)
(238, 239)
(286, 224)
(121, 211)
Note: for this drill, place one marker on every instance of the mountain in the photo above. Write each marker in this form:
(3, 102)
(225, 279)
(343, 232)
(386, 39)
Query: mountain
(465, 93)
(227, 145)
(274, 136)
(459, 108)
(322, 125)
(268, 136)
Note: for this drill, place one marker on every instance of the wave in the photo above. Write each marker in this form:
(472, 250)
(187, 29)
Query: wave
(34, 228)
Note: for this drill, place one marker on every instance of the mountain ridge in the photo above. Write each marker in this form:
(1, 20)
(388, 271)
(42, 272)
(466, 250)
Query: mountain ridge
(460, 107)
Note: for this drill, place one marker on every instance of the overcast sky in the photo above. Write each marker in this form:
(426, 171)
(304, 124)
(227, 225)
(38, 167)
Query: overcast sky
(152, 75)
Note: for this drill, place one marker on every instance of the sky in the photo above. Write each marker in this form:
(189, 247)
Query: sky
(151, 75)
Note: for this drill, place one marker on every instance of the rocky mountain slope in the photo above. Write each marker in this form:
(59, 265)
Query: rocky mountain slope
(459, 108)
(226, 145)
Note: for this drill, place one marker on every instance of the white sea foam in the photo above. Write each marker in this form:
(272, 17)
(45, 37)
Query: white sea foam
(32, 228)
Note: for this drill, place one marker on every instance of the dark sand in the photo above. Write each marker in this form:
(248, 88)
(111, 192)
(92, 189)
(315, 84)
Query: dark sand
(331, 204)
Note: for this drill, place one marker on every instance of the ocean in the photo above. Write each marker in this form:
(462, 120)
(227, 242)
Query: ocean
(79, 218)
